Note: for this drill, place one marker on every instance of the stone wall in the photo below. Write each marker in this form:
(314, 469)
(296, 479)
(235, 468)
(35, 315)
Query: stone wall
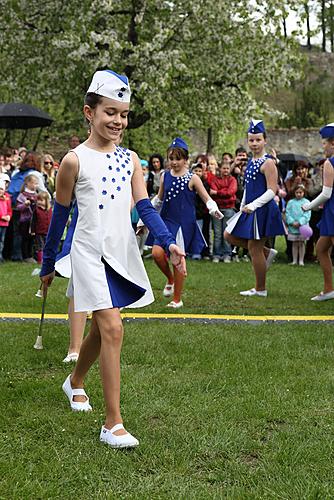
(299, 141)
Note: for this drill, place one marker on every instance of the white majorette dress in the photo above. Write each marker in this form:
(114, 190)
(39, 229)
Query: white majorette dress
(106, 267)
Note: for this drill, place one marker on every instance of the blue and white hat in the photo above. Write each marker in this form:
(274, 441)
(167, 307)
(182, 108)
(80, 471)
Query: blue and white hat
(107, 83)
(256, 127)
(327, 131)
(178, 142)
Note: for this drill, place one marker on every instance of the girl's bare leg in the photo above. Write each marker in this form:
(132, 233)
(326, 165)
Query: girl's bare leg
(255, 248)
(77, 322)
(159, 256)
(324, 247)
(178, 285)
(235, 241)
(89, 352)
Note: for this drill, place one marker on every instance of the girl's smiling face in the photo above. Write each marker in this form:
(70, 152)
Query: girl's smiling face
(32, 183)
(108, 119)
(177, 164)
(299, 193)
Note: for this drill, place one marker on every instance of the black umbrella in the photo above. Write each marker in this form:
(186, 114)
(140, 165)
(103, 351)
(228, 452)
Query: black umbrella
(292, 157)
(15, 115)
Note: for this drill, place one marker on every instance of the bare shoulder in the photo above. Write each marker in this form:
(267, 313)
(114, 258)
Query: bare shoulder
(70, 164)
(269, 165)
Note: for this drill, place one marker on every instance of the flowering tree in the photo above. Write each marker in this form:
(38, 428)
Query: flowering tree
(189, 62)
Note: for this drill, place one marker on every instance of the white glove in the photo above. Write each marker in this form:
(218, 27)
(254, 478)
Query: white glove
(212, 206)
(261, 200)
(325, 194)
(157, 203)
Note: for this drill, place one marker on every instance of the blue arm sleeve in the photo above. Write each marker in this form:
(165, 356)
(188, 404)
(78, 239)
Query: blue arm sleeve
(154, 222)
(58, 222)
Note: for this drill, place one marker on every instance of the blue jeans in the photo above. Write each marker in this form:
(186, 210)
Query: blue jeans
(221, 247)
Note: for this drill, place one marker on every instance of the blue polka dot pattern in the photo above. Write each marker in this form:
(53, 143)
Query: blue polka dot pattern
(115, 162)
(118, 188)
(104, 179)
(104, 192)
(100, 206)
(123, 179)
(110, 167)
(112, 196)
(113, 179)
(178, 185)
(253, 168)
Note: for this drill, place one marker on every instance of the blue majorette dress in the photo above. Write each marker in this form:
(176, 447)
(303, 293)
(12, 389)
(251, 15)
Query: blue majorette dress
(101, 255)
(326, 224)
(179, 214)
(264, 221)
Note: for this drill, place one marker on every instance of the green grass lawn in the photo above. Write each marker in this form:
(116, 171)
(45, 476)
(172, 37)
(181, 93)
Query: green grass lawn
(221, 410)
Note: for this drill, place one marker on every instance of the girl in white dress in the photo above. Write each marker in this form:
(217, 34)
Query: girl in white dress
(107, 269)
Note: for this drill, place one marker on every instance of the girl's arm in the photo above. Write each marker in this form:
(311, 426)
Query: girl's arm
(152, 219)
(270, 172)
(197, 184)
(66, 178)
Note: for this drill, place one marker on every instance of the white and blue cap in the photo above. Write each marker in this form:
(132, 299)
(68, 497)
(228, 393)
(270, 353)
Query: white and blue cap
(256, 127)
(107, 83)
(178, 142)
(327, 132)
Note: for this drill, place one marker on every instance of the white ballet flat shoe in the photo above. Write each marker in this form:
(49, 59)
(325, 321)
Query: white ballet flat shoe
(124, 441)
(175, 305)
(252, 292)
(73, 357)
(168, 290)
(76, 405)
(271, 257)
(323, 296)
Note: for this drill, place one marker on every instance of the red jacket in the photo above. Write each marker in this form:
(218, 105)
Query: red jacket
(41, 221)
(226, 188)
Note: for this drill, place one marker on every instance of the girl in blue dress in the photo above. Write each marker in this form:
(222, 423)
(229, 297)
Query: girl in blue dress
(326, 225)
(177, 200)
(259, 217)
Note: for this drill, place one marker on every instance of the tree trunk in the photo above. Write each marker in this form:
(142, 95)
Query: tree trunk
(331, 27)
(284, 27)
(323, 24)
(308, 27)
(209, 144)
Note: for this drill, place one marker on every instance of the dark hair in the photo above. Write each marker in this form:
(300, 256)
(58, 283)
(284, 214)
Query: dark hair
(25, 165)
(199, 158)
(92, 100)
(300, 164)
(150, 161)
(299, 186)
(240, 149)
(178, 153)
(196, 165)
(227, 154)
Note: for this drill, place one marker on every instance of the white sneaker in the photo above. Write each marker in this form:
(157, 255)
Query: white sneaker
(124, 441)
(73, 357)
(323, 296)
(168, 290)
(39, 293)
(76, 405)
(271, 257)
(215, 260)
(252, 292)
(235, 258)
(227, 259)
(175, 305)
(245, 258)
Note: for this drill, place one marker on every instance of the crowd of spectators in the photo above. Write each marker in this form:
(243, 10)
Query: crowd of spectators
(27, 190)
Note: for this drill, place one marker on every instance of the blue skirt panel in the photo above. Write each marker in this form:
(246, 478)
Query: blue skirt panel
(262, 223)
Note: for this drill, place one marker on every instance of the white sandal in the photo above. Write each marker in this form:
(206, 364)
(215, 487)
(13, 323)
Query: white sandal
(124, 441)
(73, 357)
(76, 405)
(168, 290)
(175, 305)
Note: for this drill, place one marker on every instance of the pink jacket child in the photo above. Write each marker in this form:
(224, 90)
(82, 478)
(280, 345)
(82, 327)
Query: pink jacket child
(5, 215)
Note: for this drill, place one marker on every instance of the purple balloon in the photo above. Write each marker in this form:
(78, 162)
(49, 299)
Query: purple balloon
(305, 231)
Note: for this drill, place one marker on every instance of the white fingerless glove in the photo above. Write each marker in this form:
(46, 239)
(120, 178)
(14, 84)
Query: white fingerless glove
(325, 194)
(212, 206)
(243, 201)
(261, 200)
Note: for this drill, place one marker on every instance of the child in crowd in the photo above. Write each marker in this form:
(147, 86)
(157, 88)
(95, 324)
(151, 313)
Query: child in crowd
(295, 218)
(156, 167)
(5, 215)
(107, 272)
(177, 197)
(40, 223)
(201, 210)
(26, 204)
(223, 190)
(326, 226)
(259, 215)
